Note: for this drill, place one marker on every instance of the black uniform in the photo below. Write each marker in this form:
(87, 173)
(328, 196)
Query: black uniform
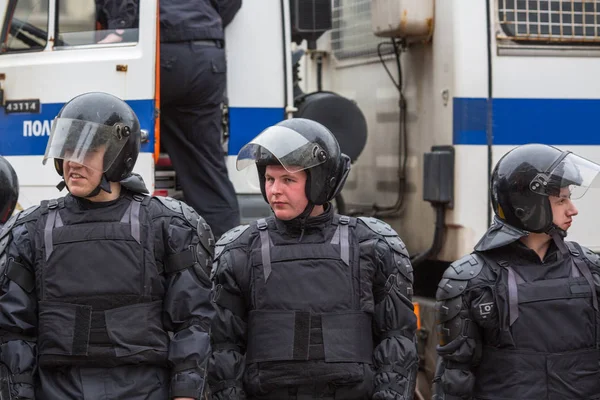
(329, 316)
(193, 78)
(106, 300)
(117, 14)
(514, 327)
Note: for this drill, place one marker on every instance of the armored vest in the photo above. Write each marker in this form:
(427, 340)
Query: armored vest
(554, 327)
(309, 292)
(97, 286)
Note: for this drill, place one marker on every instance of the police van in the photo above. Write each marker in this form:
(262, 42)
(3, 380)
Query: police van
(424, 95)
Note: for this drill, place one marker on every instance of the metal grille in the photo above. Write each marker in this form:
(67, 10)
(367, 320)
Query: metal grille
(550, 21)
(352, 36)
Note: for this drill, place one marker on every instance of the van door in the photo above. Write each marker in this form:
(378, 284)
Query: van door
(54, 50)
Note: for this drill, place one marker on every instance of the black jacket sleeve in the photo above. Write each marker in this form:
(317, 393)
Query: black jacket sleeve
(395, 354)
(18, 312)
(229, 329)
(183, 244)
(118, 14)
(227, 9)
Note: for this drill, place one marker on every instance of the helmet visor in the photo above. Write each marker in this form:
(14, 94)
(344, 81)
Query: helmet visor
(573, 172)
(93, 145)
(292, 150)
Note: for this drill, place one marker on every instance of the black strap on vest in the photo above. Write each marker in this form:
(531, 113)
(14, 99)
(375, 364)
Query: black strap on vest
(576, 252)
(22, 378)
(265, 247)
(20, 275)
(98, 333)
(185, 366)
(514, 280)
(341, 237)
(50, 224)
(335, 337)
(180, 261)
(132, 216)
(578, 268)
(228, 300)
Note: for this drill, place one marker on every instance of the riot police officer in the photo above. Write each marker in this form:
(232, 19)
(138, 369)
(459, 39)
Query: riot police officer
(9, 190)
(105, 293)
(518, 317)
(310, 304)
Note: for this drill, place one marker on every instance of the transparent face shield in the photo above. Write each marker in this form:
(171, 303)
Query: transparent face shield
(93, 145)
(570, 171)
(292, 150)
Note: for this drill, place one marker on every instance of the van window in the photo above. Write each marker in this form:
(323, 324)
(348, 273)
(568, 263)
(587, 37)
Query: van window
(25, 26)
(88, 22)
(550, 22)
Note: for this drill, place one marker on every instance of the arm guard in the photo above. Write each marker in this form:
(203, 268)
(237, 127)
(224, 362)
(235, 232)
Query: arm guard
(229, 328)
(395, 354)
(18, 302)
(459, 337)
(187, 251)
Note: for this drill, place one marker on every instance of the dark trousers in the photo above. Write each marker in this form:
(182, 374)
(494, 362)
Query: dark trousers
(193, 78)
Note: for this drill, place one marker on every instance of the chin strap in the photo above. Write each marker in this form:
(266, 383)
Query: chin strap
(558, 235)
(104, 185)
(61, 185)
(303, 217)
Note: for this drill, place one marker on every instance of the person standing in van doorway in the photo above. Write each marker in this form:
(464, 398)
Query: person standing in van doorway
(193, 80)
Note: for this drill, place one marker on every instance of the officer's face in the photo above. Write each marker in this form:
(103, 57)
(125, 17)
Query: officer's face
(83, 179)
(563, 209)
(285, 192)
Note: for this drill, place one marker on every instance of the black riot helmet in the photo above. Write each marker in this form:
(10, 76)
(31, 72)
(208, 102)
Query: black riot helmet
(300, 144)
(525, 177)
(96, 122)
(9, 190)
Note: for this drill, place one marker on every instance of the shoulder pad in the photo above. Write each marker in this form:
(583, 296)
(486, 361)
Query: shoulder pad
(8, 226)
(456, 277)
(229, 237)
(397, 245)
(378, 226)
(4, 239)
(205, 234)
(202, 228)
(389, 234)
(25, 213)
(587, 253)
(181, 208)
(594, 258)
(190, 214)
(464, 269)
(170, 203)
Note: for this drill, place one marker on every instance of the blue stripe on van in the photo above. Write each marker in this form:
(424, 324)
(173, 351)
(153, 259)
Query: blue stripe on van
(245, 123)
(27, 134)
(520, 121)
